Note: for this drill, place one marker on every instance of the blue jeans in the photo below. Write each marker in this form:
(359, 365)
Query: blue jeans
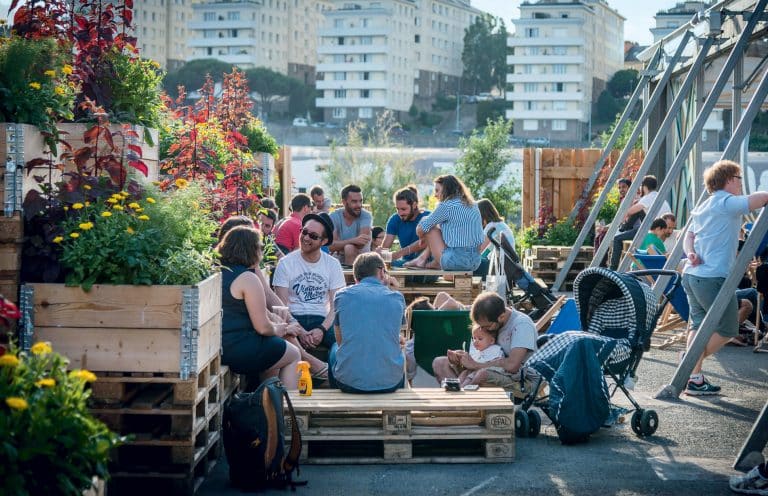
(335, 384)
(309, 322)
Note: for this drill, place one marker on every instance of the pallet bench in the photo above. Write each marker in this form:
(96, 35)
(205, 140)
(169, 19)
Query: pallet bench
(462, 286)
(425, 425)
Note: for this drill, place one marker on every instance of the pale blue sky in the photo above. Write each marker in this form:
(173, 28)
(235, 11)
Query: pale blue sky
(639, 14)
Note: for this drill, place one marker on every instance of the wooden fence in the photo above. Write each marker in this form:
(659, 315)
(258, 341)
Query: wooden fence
(560, 175)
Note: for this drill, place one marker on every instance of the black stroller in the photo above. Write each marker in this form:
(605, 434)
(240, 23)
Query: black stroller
(619, 312)
(540, 297)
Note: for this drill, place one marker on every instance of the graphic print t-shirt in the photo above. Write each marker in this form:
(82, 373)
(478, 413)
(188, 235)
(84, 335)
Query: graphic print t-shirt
(308, 283)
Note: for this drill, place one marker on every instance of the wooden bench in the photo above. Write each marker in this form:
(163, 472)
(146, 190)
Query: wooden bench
(459, 285)
(427, 425)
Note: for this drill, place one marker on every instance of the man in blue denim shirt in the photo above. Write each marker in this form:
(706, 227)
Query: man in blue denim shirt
(367, 356)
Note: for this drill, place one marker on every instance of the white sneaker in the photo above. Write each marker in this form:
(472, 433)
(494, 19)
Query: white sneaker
(750, 483)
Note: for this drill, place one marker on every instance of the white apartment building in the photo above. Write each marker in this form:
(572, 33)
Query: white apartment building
(671, 19)
(160, 27)
(377, 55)
(562, 54)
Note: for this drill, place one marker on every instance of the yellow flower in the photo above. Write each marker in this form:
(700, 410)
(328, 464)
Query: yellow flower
(143, 217)
(138, 210)
(8, 360)
(112, 201)
(124, 194)
(35, 86)
(86, 186)
(150, 199)
(87, 204)
(47, 382)
(84, 375)
(106, 214)
(41, 348)
(16, 403)
(67, 69)
(129, 230)
(117, 207)
(71, 85)
(74, 235)
(59, 90)
(58, 239)
(181, 183)
(77, 206)
(66, 208)
(86, 226)
(50, 73)
(134, 205)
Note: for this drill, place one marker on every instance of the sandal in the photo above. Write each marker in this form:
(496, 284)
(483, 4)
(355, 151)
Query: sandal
(322, 374)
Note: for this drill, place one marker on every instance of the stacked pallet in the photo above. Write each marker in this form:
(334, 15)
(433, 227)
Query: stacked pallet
(413, 283)
(174, 427)
(545, 263)
(407, 426)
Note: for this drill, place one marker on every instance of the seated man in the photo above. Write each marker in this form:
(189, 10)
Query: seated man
(653, 242)
(672, 232)
(287, 235)
(516, 336)
(367, 356)
(307, 279)
(403, 225)
(351, 226)
(319, 202)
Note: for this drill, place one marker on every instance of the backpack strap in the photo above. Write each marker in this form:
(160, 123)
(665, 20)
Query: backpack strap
(292, 457)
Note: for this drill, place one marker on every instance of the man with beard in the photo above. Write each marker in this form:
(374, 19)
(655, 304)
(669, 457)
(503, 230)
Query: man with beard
(403, 225)
(351, 226)
(307, 279)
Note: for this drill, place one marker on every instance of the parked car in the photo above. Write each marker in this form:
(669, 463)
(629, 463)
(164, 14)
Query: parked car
(516, 141)
(300, 122)
(484, 97)
(538, 141)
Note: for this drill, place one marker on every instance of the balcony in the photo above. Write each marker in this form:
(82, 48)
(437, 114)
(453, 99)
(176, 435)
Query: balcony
(352, 102)
(353, 67)
(545, 96)
(545, 78)
(222, 42)
(360, 31)
(546, 41)
(210, 25)
(545, 59)
(351, 49)
(352, 84)
(546, 114)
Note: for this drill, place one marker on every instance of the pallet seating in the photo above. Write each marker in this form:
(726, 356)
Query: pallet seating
(459, 284)
(427, 425)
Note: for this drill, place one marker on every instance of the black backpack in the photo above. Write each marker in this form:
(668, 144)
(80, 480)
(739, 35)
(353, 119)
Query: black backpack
(254, 439)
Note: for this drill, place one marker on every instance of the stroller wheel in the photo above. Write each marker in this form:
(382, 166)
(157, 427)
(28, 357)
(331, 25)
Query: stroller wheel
(522, 425)
(534, 423)
(636, 425)
(649, 422)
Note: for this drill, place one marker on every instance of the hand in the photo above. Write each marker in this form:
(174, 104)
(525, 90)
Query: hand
(467, 362)
(364, 238)
(294, 329)
(392, 283)
(454, 357)
(283, 313)
(317, 336)
(305, 338)
(694, 259)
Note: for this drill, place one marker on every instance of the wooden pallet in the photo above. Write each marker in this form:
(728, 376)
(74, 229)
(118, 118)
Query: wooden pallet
(538, 251)
(459, 285)
(409, 426)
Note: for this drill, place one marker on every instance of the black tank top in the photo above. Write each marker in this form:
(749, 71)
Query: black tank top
(235, 316)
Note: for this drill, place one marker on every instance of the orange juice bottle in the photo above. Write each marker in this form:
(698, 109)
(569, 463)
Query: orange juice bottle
(305, 379)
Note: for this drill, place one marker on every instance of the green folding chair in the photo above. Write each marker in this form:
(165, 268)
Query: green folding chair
(435, 331)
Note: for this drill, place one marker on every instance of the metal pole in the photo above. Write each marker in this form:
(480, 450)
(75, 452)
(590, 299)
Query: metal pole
(751, 453)
(590, 222)
(647, 74)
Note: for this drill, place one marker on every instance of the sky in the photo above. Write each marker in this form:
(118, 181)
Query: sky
(639, 14)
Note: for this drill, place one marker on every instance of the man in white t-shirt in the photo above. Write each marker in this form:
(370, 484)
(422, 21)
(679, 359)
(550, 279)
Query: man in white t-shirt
(307, 280)
(648, 190)
(516, 336)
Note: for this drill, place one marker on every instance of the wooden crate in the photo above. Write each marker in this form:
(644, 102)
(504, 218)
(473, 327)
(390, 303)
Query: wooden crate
(409, 426)
(172, 330)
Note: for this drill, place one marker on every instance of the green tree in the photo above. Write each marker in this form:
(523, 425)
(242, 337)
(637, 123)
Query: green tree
(623, 138)
(378, 174)
(269, 85)
(192, 75)
(301, 98)
(607, 107)
(482, 167)
(622, 83)
(485, 53)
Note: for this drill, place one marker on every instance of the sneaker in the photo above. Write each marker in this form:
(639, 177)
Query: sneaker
(750, 483)
(703, 389)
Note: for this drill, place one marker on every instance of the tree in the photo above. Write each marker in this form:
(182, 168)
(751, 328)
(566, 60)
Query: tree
(378, 174)
(622, 83)
(192, 75)
(301, 98)
(269, 85)
(624, 135)
(485, 53)
(607, 107)
(482, 167)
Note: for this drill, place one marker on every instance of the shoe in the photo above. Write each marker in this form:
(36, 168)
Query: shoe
(703, 389)
(749, 483)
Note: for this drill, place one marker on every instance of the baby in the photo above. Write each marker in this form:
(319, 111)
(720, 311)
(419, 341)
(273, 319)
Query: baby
(482, 349)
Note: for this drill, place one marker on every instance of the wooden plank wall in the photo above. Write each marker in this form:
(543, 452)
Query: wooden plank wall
(563, 174)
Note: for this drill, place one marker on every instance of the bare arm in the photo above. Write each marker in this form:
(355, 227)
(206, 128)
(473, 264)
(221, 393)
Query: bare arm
(248, 288)
(363, 238)
(758, 199)
(693, 257)
(388, 240)
(511, 364)
(633, 210)
(337, 332)
(272, 298)
(283, 294)
(338, 244)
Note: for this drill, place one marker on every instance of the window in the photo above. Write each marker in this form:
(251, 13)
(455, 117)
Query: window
(339, 113)
(531, 32)
(233, 16)
(364, 22)
(340, 76)
(208, 16)
(366, 40)
(234, 33)
(559, 124)
(417, 38)
(530, 125)
(339, 93)
(364, 57)
(527, 68)
(560, 50)
(338, 23)
(365, 93)
(209, 51)
(340, 40)
(530, 87)
(558, 68)
(533, 50)
(559, 105)
(558, 87)
(366, 76)
(365, 113)
(338, 58)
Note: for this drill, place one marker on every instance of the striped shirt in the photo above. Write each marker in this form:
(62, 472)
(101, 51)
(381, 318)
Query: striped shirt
(461, 224)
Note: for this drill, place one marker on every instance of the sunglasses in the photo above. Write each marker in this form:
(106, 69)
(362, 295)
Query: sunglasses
(311, 235)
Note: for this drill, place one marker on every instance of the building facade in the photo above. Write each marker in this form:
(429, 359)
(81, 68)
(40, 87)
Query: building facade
(671, 19)
(385, 55)
(162, 30)
(562, 54)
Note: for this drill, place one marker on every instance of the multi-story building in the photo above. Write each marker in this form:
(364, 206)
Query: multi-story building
(161, 27)
(562, 54)
(671, 19)
(377, 55)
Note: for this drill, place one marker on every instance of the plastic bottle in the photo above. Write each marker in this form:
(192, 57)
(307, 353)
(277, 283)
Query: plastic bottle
(305, 379)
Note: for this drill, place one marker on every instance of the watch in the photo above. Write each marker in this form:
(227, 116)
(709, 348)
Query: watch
(322, 327)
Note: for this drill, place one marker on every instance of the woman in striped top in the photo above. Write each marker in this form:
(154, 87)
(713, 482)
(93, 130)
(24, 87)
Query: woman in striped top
(454, 231)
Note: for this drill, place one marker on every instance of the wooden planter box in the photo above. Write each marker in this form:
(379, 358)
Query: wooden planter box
(169, 330)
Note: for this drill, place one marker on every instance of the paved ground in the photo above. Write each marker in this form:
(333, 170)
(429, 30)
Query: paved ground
(691, 453)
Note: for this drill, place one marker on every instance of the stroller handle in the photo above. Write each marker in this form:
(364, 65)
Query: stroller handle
(490, 237)
(656, 273)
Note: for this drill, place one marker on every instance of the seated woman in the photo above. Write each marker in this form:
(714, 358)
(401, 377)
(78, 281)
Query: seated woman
(454, 231)
(251, 343)
(493, 226)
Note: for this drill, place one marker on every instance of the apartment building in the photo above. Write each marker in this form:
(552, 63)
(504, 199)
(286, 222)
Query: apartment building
(377, 55)
(671, 19)
(161, 28)
(562, 54)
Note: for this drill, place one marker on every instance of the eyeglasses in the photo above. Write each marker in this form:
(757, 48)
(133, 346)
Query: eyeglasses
(737, 177)
(311, 235)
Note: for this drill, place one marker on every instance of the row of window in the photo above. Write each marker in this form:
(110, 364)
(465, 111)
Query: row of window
(343, 93)
(545, 87)
(556, 125)
(540, 68)
(557, 105)
(342, 76)
(362, 112)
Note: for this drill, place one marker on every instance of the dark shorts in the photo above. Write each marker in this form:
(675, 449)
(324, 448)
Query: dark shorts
(250, 353)
(309, 322)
